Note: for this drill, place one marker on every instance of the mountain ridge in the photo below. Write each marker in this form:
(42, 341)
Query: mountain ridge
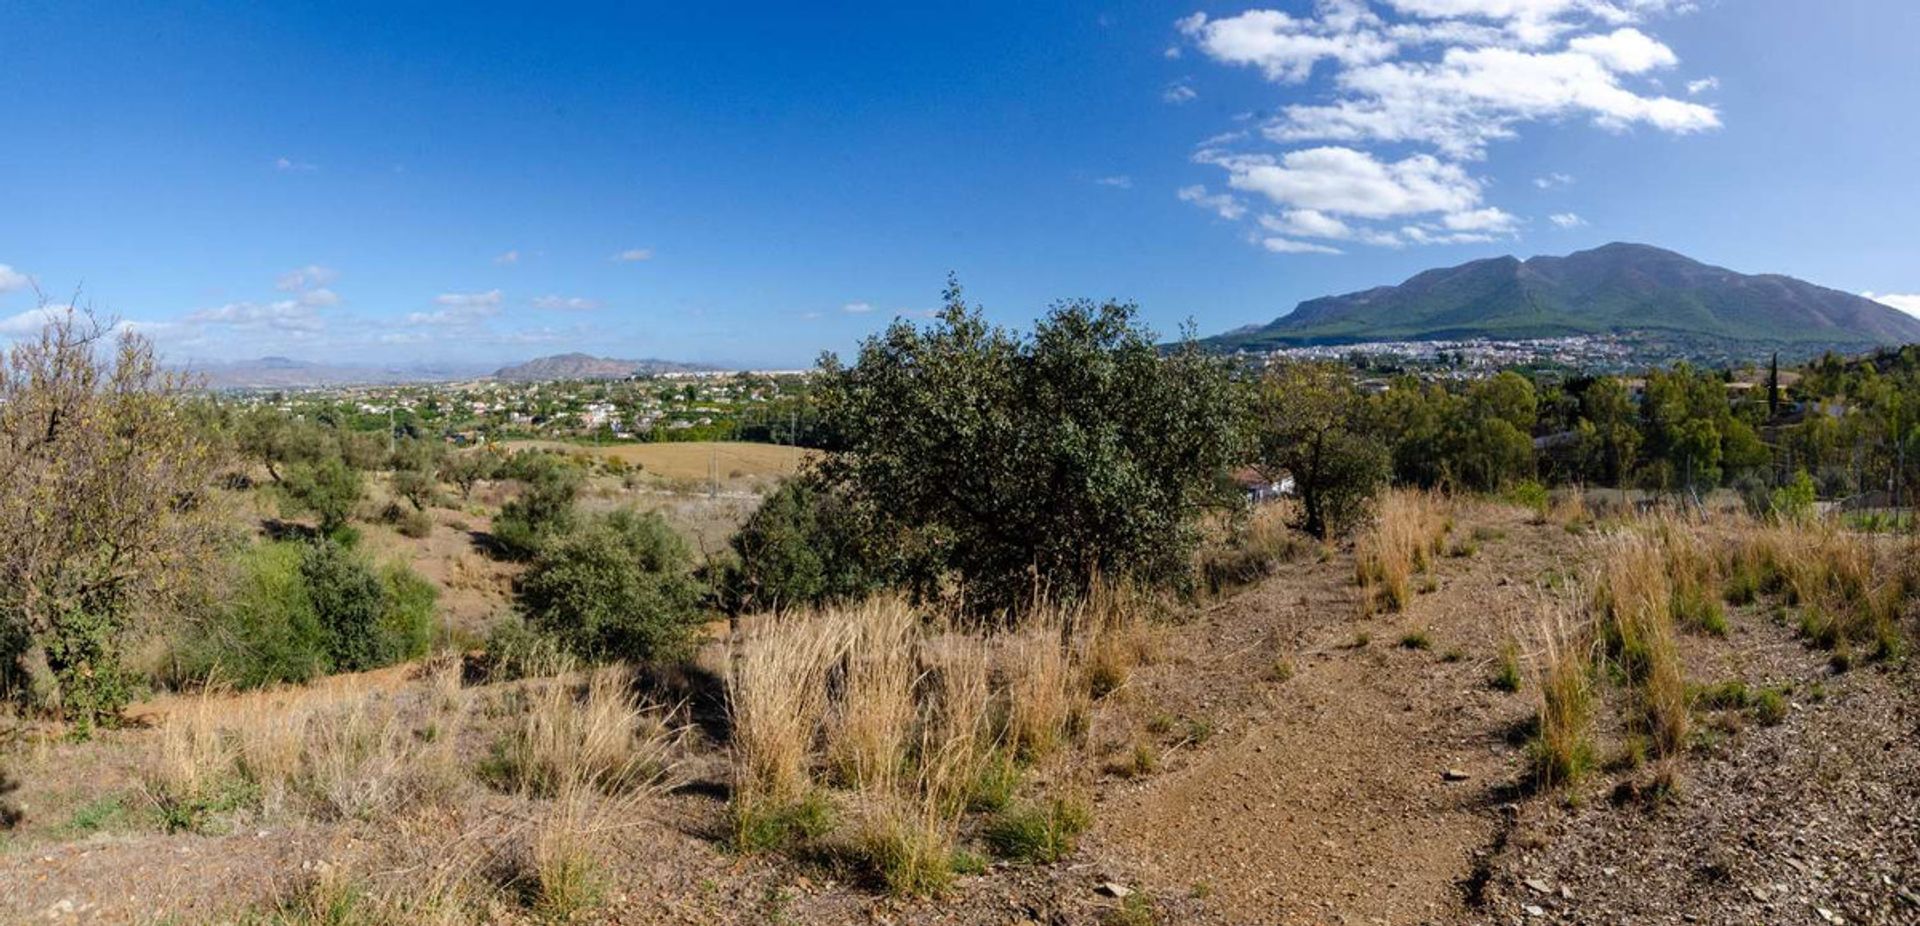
(1615, 288)
(576, 365)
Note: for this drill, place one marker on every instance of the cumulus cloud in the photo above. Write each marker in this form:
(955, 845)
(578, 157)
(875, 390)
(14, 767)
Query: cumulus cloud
(1179, 92)
(633, 255)
(1566, 220)
(289, 165)
(566, 303)
(1117, 181)
(1446, 78)
(857, 308)
(1905, 302)
(11, 279)
(507, 257)
(458, 309)
(1703, 85)
(1223, 205)
(284, 315)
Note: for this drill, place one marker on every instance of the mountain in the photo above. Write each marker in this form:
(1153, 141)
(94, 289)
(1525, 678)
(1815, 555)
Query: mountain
(283, 372)
(1617, 288)
(586, 366)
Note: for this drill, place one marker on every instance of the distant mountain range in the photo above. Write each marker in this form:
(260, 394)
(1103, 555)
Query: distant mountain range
(283, 372)
(1618, 288)
(287, 373)
(586, 366)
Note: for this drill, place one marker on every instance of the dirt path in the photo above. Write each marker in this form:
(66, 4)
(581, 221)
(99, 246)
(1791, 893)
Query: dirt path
(1361, 789)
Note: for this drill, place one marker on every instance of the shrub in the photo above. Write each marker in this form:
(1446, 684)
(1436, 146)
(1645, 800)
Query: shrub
(296, 610)
(544, 508)
(328, 489)
(805, 545)
(998, 460)
(1794, 502)
(1531, 495)
(1039, 834)
(601, 737)
(1562, 749)
(618, 586)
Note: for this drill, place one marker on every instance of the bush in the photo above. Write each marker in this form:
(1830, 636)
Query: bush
(804, 545)
(328, 489)
(618, 586)
(1039, 834)
(1016, 464)
(545, 509)
(297, 610)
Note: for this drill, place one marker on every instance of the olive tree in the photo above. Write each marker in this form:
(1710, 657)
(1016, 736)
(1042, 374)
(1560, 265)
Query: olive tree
(105, 508)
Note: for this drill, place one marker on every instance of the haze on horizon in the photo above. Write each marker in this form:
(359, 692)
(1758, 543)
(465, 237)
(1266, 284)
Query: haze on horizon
(475, 185)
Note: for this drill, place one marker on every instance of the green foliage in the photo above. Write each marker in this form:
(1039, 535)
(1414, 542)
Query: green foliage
(1041, 833)
(1309, 429)
(545, 507)
(294, 611)
(1794, 501)
(328, 489)
(805, 544)
(1531, 495)
(1016, 464)
(616, 586)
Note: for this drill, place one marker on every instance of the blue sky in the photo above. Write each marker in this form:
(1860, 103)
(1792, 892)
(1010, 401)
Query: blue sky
(753, 184)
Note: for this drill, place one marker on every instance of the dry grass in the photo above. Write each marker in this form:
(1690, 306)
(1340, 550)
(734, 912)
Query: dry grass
(1041, 693)
(1634, 603)
(776, 698)
(596, 734)
(873, 720)
(1562, 748)
(1409, 532)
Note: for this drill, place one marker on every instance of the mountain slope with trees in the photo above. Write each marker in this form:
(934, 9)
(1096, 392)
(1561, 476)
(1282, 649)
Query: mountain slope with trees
(1610, 289)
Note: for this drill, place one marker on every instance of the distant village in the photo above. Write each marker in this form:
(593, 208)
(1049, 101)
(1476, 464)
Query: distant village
(760, 406)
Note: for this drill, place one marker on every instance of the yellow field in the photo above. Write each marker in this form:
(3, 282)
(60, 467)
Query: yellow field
(694, 459)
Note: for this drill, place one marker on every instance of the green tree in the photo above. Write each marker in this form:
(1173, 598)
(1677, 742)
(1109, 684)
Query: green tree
(544, 508)
(616, 586)
(805, 544)
(328, 489)
(1023, 465)
(1309, 431)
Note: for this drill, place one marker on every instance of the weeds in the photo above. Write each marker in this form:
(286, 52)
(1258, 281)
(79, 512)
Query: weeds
(1039, 834)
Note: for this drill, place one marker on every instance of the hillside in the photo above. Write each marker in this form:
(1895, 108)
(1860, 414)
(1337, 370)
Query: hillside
(1610, 289)
(587, 366)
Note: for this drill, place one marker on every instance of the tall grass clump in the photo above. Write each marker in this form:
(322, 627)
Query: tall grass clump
(1633, 604)
(1561, 752)
(1850, 589)
(1409, 531)
(596, 734)
(776, 686)
(872, 721)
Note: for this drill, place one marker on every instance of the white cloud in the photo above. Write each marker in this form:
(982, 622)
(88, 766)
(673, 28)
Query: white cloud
(307, 277)
(1344, 181)
(1178, 92)
(1283, 47)
(289, 165)
(1447, 76)
(30, 322)
(507, 257)
(634, 255)
(1117, 181)
(318, 298)
(1703, 85)
(1905, 302)
(459, 309)
(286, 315)
(1290, 246)
(1223, 205)
(1566, 220)
(487, 300)
(857, 308)
(11, 279)
(1490, 220)
(566, 303)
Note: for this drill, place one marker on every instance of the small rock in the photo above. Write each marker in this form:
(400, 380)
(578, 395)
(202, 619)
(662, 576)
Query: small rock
(1537, 886)
(1454, 774)
(1114, 889)
(1533, 910)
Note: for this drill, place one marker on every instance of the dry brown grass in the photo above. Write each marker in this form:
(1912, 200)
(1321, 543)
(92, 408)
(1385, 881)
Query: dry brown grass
(873, 720)
(1850, 588)
(1562, 750)
(595, 733)
(1634, 603)
(777, 687)
(1042, 695)
(1408, 533)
